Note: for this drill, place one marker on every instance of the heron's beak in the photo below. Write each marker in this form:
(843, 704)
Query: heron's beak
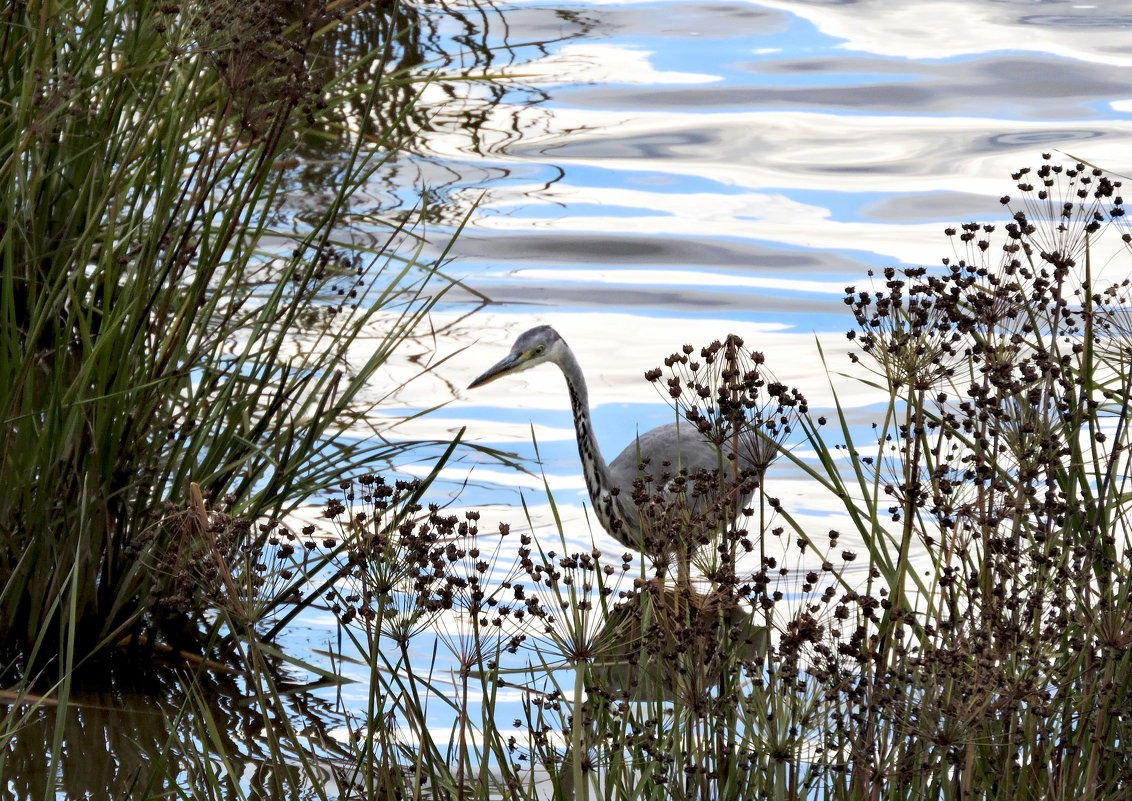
(507, 365)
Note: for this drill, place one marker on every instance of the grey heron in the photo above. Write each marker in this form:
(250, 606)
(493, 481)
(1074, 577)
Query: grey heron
(666, 450)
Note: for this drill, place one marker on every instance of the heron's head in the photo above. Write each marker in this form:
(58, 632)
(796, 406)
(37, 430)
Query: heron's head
(533, 347)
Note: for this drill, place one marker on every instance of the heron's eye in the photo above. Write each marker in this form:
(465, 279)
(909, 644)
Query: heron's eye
(538, 350)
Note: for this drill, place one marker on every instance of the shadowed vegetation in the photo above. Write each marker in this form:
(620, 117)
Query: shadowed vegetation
(158, 332)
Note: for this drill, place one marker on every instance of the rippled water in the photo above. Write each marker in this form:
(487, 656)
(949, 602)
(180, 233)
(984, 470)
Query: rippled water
(659, 173)
(667, 172)
(644, 175)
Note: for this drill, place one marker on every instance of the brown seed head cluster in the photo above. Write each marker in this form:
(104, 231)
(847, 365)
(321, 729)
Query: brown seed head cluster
(982, 636)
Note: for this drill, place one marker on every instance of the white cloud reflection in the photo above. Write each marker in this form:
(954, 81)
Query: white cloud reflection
(948, 28)
(596, 62)
(614, 349)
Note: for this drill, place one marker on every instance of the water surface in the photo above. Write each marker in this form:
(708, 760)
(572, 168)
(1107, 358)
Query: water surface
(645, 175)
(661, 173)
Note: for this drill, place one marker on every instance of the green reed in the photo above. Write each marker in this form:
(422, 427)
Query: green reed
(158, 333)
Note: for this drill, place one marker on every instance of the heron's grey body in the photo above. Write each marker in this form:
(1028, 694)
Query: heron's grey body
(665, 449)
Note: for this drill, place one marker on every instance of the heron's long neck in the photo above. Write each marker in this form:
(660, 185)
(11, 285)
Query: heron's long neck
(612, 510)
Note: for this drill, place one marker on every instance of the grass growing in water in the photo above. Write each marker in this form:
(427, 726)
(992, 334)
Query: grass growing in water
(151, 342)
(974, 644)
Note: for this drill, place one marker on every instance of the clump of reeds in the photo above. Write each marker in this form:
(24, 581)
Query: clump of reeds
(148, 343)
(997, 671)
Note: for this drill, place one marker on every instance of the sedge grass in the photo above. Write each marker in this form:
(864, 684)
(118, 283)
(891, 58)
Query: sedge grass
(150, 342)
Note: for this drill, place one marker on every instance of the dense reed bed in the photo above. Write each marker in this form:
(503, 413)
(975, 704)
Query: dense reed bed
(163, 344)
